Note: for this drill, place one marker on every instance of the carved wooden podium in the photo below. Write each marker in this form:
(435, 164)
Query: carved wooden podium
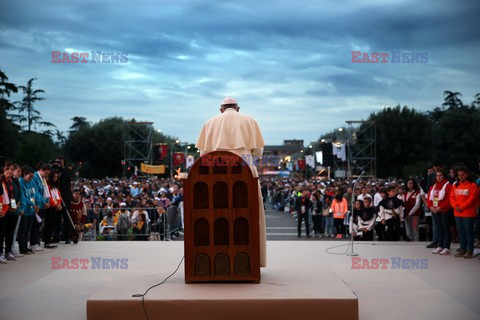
(221, 220)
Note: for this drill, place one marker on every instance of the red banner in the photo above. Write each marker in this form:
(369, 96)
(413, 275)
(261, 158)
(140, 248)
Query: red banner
(162, 151)
(301, 163)
(178, 158)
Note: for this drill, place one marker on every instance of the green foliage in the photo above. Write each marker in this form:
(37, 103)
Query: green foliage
(34, 148)
(457, 136)
(404, 137)
(99, 147)
(32, 117)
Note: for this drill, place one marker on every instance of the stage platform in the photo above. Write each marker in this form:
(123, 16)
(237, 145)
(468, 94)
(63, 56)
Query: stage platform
(301, 280)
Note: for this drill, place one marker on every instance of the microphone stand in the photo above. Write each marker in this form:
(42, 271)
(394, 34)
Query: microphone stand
(352, 253)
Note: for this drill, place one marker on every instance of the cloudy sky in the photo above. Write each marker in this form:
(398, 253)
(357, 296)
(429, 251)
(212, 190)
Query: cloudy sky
(288, 63)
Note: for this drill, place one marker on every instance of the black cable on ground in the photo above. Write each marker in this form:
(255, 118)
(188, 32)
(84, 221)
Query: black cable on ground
(139, 295)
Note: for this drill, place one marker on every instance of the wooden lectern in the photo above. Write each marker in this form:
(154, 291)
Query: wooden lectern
(221, 220)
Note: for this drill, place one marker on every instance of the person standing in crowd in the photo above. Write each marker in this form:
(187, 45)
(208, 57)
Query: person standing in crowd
(66, 192)
(317, 213)
(364, 194)
(124, 222)
(339, 209)
(302, 206)
(12, 199)
(389, 216)
(17, 174)
(28, 209)
(412, 201)
(464, 200)
(43, 202)
(3, 211)
(438, 200)
(78, 213)
(431, 180)
(53, 210)
(327, 216)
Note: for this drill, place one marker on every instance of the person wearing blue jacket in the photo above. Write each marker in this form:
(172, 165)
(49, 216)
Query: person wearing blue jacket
(42, 201)
(28, 208)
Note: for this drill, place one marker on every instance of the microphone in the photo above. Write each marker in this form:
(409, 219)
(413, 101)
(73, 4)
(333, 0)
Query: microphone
(350, 225)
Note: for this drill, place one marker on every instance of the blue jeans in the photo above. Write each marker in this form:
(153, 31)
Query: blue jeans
(465, 230)
(328, 227)
(443, 229)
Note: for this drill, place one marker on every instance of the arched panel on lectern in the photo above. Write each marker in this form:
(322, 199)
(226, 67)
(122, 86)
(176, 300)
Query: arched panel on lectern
(242, 264)
(220, 195)
(201, 232)
(221, 232)
(200, 195)
(222, 265)
(202, 265)
(240, 195)
(241, 233)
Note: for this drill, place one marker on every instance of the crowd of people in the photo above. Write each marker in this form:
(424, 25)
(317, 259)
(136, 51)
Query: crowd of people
(440, 207)
(45, 205)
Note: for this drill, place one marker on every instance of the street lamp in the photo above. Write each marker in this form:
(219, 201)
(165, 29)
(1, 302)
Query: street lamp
(340, 129)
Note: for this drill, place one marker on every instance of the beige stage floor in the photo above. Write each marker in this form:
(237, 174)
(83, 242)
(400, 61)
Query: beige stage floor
(447, 289)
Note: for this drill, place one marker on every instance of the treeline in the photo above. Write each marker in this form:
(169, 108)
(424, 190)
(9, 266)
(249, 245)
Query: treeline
(93, 149)
(407, 140)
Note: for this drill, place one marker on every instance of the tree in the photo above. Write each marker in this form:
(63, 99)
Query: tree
(79, 123)
(476, 102)
(99, 146)
(9, 131)
(457, 135)
(33, 117)
(404, 137)
(33, 148)
(452, 99)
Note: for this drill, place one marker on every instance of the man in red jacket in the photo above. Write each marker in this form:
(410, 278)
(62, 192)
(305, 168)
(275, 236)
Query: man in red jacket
(464, 200)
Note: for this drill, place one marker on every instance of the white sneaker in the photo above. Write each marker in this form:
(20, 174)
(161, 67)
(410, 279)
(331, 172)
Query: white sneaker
(445, 252)
(10, 257)
(437, 251)
(38, 248)
(2, 259)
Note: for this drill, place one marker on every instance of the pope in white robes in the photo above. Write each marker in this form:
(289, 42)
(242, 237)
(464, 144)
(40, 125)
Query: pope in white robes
(240, 134)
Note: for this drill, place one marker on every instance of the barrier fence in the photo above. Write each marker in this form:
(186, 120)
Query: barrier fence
(158, 226)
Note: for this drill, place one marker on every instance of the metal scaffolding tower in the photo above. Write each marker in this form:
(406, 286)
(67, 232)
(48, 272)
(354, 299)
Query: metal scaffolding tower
(138, 141)
(362, 148)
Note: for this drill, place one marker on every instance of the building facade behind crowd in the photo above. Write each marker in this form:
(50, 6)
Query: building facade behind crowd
(43, 205)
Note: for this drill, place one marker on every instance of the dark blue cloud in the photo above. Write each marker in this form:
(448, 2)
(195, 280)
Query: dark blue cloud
(288, 63)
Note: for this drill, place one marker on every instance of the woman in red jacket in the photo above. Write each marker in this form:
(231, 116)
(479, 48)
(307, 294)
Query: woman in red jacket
(438, 200)
(464, 200)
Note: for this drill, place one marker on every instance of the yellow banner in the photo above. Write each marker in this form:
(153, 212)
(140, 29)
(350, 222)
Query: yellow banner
(145, 168)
